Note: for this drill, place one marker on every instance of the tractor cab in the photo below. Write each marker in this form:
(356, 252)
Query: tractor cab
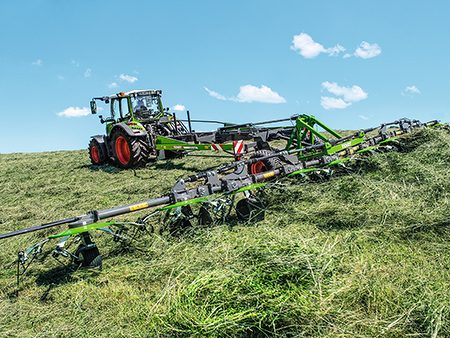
(132, 108)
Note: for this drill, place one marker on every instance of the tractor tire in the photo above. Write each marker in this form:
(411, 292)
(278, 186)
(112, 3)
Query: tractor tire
(129, 151)
(96, 154)
(264, 165)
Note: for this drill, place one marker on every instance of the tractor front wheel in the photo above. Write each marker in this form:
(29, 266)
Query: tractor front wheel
(96, 153)
(129, 152)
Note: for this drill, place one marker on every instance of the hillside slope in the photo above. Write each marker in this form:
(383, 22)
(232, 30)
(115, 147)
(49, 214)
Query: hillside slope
(362, 251)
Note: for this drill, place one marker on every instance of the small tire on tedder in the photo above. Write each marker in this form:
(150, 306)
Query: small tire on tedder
(88, 254)
(96, 154)
(129, 151)
(250, 208)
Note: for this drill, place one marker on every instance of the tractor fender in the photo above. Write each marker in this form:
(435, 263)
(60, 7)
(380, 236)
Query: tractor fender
(128, 130)
(101, 142)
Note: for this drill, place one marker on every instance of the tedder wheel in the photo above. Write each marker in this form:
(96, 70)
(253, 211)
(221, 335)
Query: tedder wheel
(87, 253)
(251, 208)
(265, 165)
(129, 152)
(96, 153)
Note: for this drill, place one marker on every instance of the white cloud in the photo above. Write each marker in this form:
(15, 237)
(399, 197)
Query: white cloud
(215, 94)
(87, 73)
(335, 50)
(309, 49)
(354, 93)
(412, 90)
(128, 78)
(332, 102)
(350, 94)
(179, 107)
(264, 94)
(249, 93)
(366, 51)
(37, 63)
(363, 117)
(113, 85)
(76, 63)
(74, 112)
(306, 46)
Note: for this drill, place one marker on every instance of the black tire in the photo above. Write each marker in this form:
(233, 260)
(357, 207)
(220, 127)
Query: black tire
(96, 154)
(204, 216)
(128, 151)
(88, 257)
(267, 164)
(250, 209)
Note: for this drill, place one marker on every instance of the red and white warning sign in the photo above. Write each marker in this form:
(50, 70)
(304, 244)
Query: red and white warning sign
(217, 147)
(238, 147)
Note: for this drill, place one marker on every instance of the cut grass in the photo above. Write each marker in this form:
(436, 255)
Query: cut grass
(364, 253)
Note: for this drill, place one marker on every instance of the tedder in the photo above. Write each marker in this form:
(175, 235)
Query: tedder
(214, 190)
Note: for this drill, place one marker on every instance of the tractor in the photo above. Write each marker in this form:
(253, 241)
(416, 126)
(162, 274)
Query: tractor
(137, 117)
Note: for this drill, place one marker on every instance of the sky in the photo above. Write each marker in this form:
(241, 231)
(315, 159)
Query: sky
(351, 64)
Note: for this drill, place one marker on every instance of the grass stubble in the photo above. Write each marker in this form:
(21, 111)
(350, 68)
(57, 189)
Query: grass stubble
(364, 253)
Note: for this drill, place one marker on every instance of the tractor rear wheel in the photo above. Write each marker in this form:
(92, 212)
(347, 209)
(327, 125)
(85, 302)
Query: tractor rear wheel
(267, 164)
(129, 151)
(96, 153)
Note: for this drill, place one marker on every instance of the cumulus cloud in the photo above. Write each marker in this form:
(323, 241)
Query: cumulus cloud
(350, 94)
(306, 47)
(215, 94)
(179, 107)
(366, 51)
(74, 112)
(128, 78)
(411, 90)
(264, 94)
(249, 93)
(363, 117)
(332, 102)
(37, 63)
(354, 93)
(113, 85)
(87, 73)
(309, 49)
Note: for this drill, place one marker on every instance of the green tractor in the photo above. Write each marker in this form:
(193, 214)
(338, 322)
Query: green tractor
(136, 116)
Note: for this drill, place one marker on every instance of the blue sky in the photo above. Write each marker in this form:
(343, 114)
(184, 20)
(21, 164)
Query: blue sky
(352, 64)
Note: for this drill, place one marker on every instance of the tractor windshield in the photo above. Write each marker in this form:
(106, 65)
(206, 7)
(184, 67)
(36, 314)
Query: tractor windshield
(145, 106)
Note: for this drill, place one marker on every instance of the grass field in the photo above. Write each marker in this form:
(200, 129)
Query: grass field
(364, 252)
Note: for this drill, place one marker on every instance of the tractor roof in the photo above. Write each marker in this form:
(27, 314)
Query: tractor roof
(136, 92)
(132, 93)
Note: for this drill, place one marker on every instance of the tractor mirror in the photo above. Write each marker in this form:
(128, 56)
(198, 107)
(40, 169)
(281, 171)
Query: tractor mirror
(93, 107)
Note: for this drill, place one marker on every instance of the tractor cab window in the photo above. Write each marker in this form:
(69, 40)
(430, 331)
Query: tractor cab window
(145, 106)
(119, 108)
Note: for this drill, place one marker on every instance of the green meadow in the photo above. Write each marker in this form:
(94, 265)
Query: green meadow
(358, 250)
